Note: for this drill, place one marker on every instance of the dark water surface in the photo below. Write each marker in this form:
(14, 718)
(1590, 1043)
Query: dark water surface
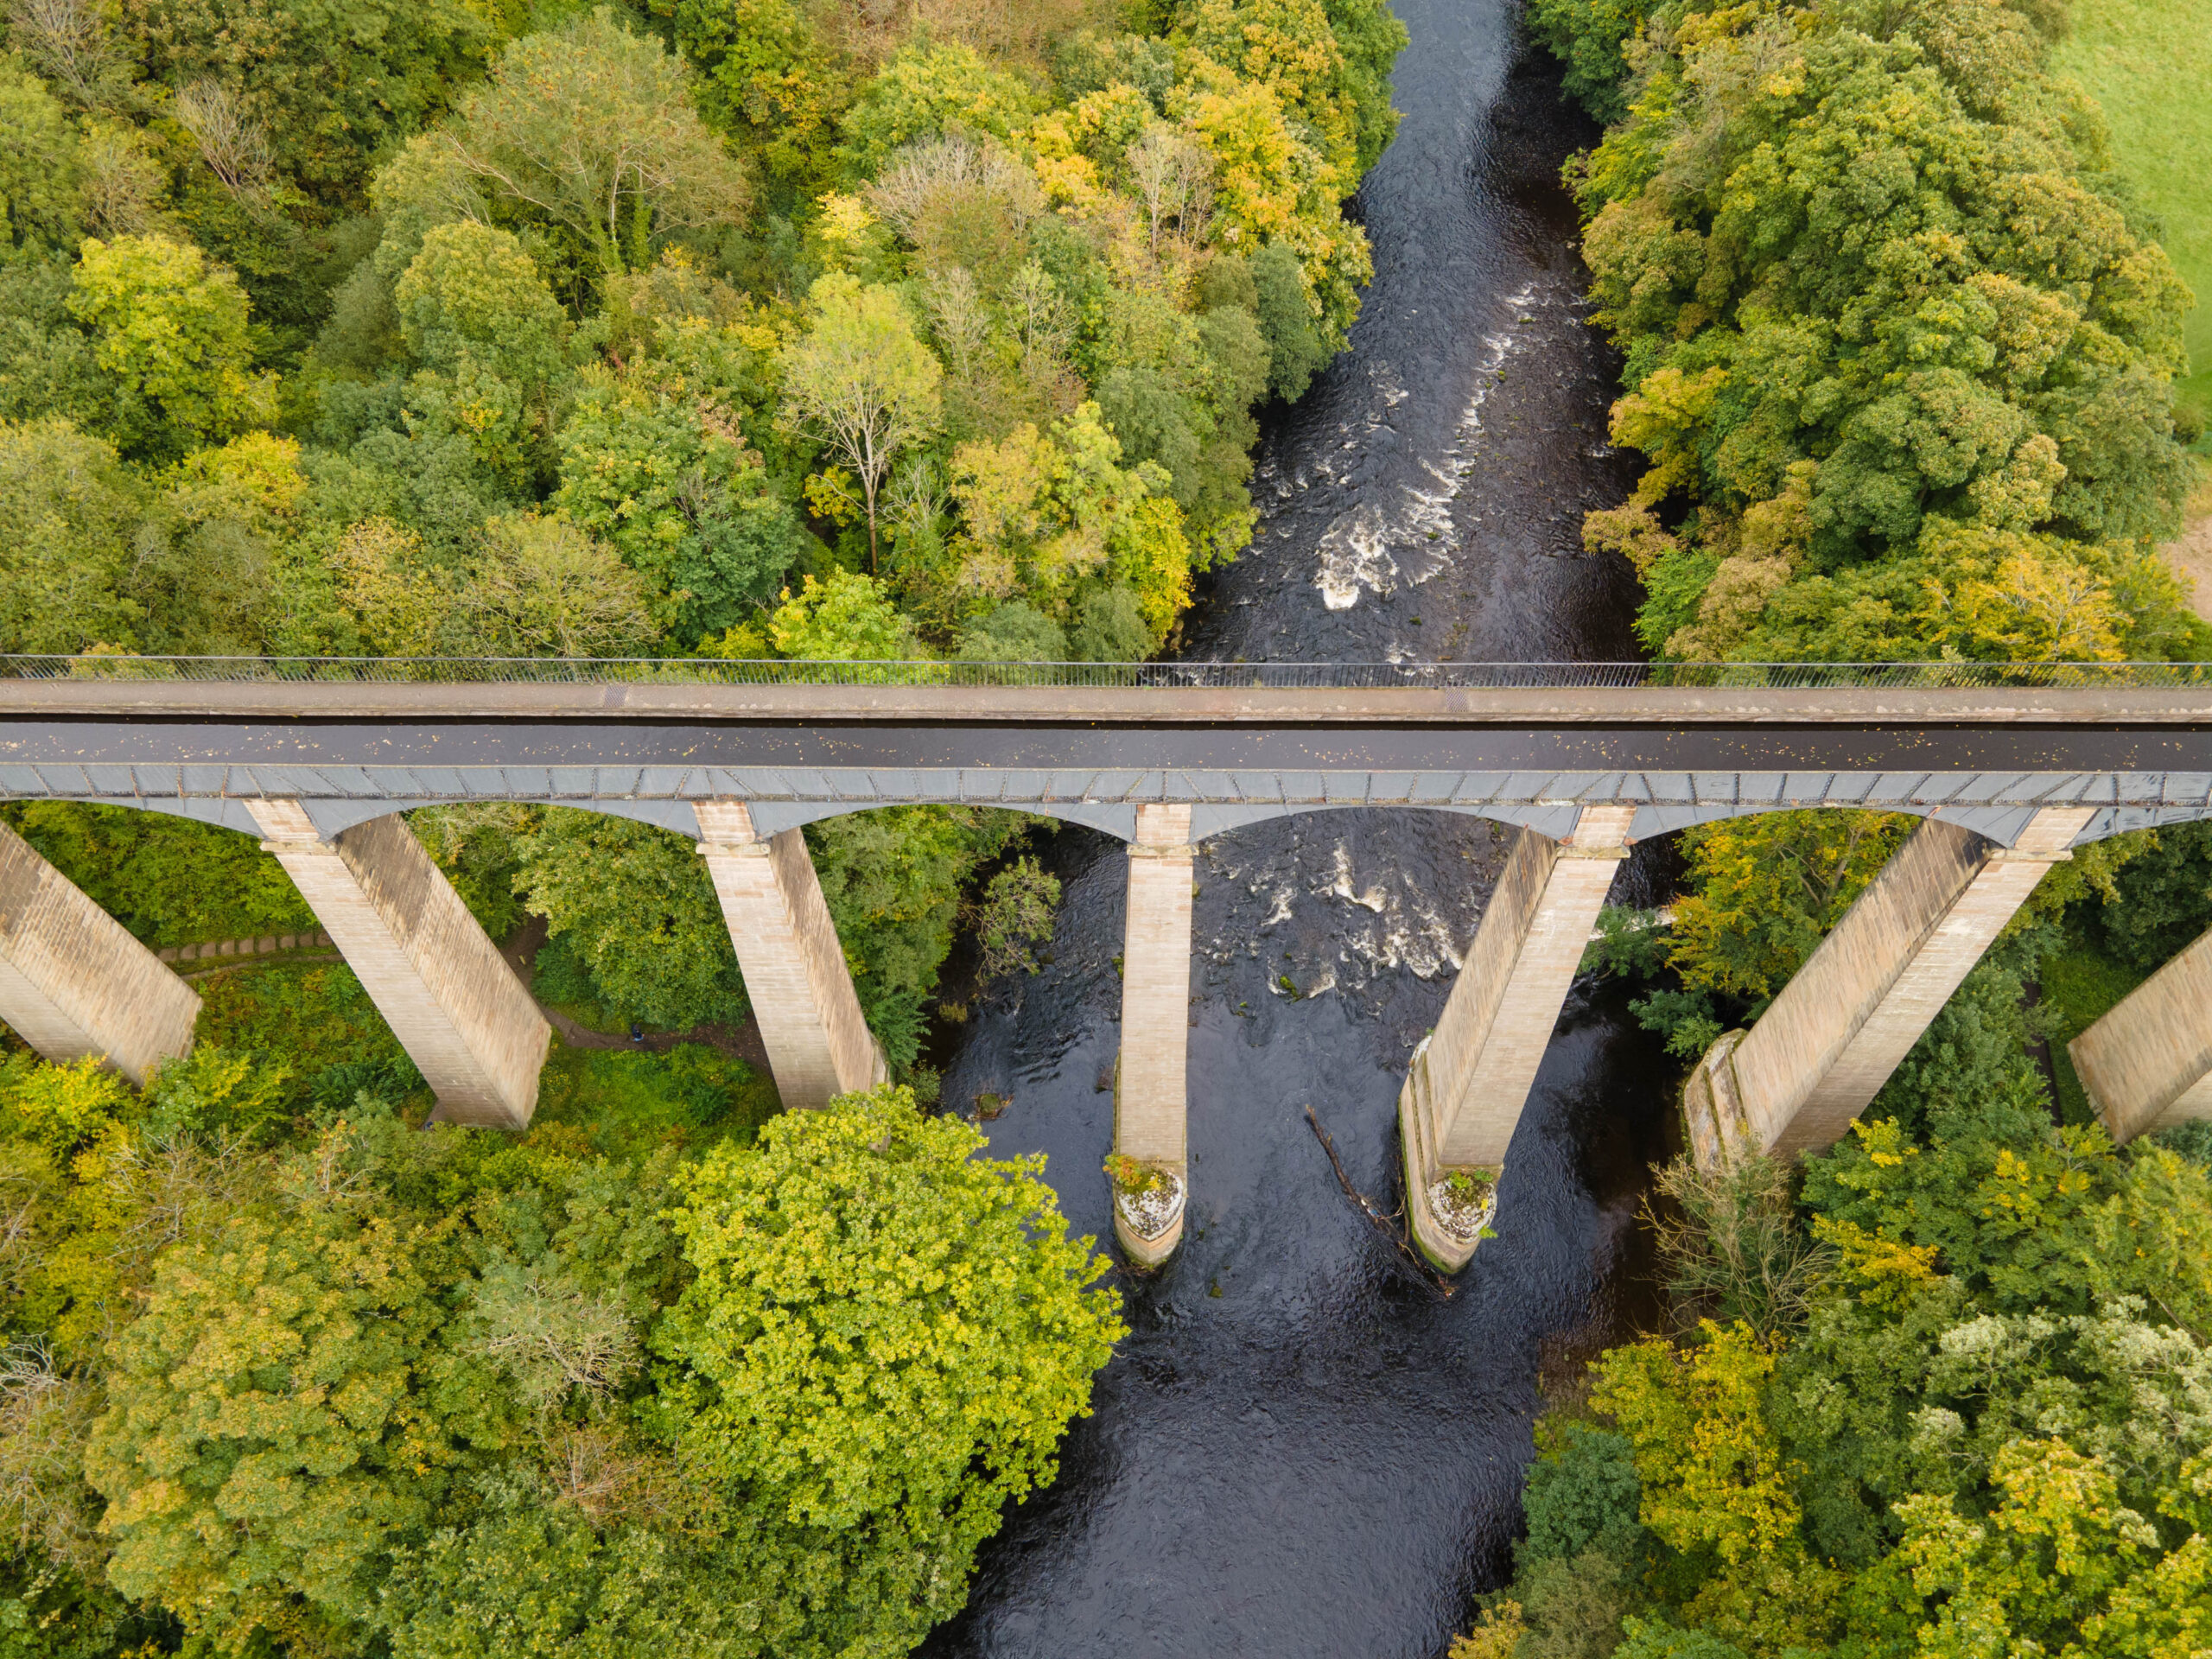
(1302, 1449)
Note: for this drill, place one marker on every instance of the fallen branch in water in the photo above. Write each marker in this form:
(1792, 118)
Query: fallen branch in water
(1390, 1225)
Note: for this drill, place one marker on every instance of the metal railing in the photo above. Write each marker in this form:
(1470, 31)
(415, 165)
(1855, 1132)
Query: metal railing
(1288, 676)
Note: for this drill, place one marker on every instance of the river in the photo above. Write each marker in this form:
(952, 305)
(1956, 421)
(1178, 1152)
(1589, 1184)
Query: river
(1302, 1448)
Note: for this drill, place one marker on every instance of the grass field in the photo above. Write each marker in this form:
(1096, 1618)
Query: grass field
(2149, 62)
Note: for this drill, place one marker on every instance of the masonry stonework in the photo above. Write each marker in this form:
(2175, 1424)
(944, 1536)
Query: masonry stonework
(1822, 1051)
(458, 1009)
(2147, 1064)
(73, 981)
(1468, 1082)
(818, 1043)
(1151, 1113)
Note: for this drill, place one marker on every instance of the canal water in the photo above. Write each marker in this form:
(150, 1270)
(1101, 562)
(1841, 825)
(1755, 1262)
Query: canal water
(1304, 1448)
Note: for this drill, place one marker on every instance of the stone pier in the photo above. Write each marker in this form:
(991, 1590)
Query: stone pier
(1825, 1046)
(73, 981)
(1469, 1080)
(1150, 1112)
(818, 1044)
(457, 1009)
(2147, 1064)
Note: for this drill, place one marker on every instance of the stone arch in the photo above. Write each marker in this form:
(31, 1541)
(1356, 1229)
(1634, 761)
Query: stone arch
(1114, 819)
(335, 817)
(224, 812)
(1552, 818)
(2001, 824)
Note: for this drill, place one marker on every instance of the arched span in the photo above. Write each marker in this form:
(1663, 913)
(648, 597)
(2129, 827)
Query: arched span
(769, 818)
(349, 753)
(335, 816)
(2001, 822)
(1996, 806)
(1116, 819)
(1552, 818)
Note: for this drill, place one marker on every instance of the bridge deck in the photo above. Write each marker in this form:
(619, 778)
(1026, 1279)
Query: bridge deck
(351, 751)
(1119, 706)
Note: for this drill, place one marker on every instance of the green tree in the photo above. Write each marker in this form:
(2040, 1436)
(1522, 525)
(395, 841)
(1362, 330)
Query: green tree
(169, 335)
(585, 134)
(536, 585)
(1370, 37)
(2153, 1238)
(1015, 632)
(1761, 894)
(1708, 1464)
(1582, 1496)
(1110, 627)
(1297, 49)
(533, 1578)
(768, 79)
(867, 1241)
(924, 90)
(1156, 420)
(265, 1438)
(849, 618)
(670, 485)
(1296, 350)
(323, 88)
(39, 165)
(860, 383)
(474, 844)
(1859, 424)
(474, 295)
(394, 603)
(541, 588)
(1901, 1386)
(2159, 902)
(894, 880)
(2009, 1203)
(1587, 37)
(1016, 913)
(102, 1181)
(2060, 1567)
(1272, 185)
(476, 313)
(1718, 1485)
(635, 904)
(68, 512)
(211, 558)
(1653, 1639)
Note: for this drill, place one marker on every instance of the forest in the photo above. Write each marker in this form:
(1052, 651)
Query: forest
(833, 329)
(740, 330)
(816, 329)
(1900, 348)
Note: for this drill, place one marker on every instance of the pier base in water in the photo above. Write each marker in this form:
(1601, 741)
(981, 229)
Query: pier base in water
(1470, 1078)
(1151, 1114)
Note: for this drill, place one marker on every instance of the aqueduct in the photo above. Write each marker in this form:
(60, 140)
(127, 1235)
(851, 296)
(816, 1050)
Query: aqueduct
(2008, 765)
